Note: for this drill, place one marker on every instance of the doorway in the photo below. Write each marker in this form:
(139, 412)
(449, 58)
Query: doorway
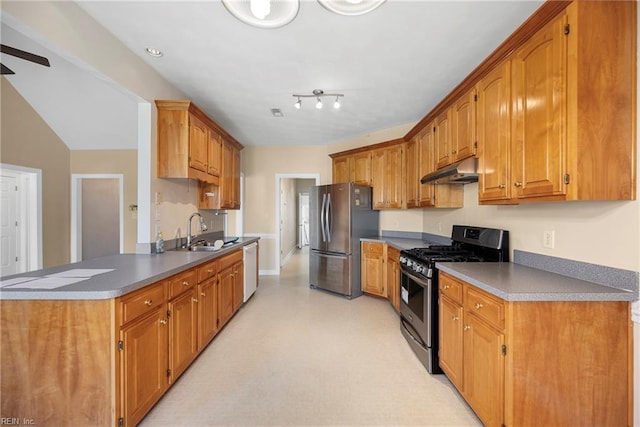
(303, 219)
(20, 219)
(288, 188)
(96, 216)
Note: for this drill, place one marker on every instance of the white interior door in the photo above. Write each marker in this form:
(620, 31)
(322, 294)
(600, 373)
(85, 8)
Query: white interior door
(8, 226)
(303, 220)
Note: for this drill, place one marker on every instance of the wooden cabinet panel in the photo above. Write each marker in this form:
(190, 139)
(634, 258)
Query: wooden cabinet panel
(214, 154)
(388, 177)
(225, 296)
(484, 306)
(540, 115)
(494, 134)
(393, 277)
(342, 169)
(372, 274)
(207, 270)
(141, 302)
(361, 166)
(183, 332)
(413, 169)
(181, 282)
(198, 144)
(238, 285)
(450, 340)
(463, 127)
(442, 139)
(451, 288)
(207, 312)
(484, 365)
(144, 364)
(230, 180)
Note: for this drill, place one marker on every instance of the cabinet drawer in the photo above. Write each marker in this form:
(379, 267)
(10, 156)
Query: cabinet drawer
(141, 302)
(207, 271)
(230, 259)
(372, 248)
(182, 282)
(484, 306)
(451, 288)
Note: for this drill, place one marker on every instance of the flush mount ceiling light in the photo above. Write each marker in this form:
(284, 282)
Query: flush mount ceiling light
(152, 51)
(263, 13)
(318, 94)
(351, 7)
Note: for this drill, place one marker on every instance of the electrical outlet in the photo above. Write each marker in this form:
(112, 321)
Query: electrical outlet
(158, 198)
(549, 239)
(157, 214)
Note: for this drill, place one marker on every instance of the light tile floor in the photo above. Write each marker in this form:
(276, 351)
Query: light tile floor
(293, 356)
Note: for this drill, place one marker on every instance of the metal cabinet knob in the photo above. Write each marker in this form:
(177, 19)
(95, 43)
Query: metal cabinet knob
(502, 186)
(195, 299)
(455, 318)
(203, 294)
(518, 184)
(479, 306)
(210, 270)
(184, 282)
(466, 327)
(148, 302)
(445, 287)
(163, 321)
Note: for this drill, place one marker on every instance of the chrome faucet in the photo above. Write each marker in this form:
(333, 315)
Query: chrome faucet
(203, 227)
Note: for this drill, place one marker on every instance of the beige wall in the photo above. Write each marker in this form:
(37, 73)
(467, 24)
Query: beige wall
(28, 141)
(123, 162)
(288, 209)
(260, 166)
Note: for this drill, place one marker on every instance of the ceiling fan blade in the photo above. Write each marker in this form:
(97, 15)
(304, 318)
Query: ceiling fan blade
(5, 70)
(24, 55)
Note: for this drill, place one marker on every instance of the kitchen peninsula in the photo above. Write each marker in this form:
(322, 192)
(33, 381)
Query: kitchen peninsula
(102, 351)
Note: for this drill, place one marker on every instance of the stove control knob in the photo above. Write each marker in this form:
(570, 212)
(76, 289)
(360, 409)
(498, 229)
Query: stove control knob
(403, 260)
(429, 272)
(420, 269)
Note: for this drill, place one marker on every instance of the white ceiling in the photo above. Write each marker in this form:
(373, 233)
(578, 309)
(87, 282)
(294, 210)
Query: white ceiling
(393, 65)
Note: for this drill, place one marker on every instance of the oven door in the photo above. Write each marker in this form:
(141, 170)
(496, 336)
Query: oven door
(416, 307)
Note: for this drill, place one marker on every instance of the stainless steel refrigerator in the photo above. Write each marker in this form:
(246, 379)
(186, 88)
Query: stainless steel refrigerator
(340, 214)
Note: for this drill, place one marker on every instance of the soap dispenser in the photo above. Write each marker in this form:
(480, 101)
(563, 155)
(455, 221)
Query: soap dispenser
(159, 243)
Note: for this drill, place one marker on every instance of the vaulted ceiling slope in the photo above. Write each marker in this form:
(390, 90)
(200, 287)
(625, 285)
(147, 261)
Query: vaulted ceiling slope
(392, 65)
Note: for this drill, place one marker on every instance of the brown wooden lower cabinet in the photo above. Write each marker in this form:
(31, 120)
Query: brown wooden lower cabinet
(542, 363)
(393, 277)
(107, 362)
(372, 272)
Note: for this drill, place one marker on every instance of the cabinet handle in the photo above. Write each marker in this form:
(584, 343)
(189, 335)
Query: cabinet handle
(455, 318)
(210, 270)
(186, 283)
(479, 306)
(454, 152)
(203, 294)
(163, 321)
(148, 302)
(518, 184)
(466, 327)
(445, 287)
(195, 299)
(502, 186)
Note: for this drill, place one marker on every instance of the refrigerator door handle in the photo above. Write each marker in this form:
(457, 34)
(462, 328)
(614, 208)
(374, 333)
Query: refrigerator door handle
(322, 224)
(328, 221)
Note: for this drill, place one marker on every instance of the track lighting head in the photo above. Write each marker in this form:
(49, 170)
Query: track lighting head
(318, 94)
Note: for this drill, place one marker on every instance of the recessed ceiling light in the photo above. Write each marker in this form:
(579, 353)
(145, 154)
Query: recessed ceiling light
(351, 7)
(152, 51)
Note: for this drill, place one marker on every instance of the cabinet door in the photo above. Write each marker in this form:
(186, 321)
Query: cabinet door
(225, 296)
(238, 285)
(372, 272)
(144, 364)
(463, 127)
(394, 176)
(341, 169)
(183, 338)
(393, 277)
(362, 168)
(198, 144)
(484, 370)
(443, 139)
(378, 176)
(450, 340)
(539, 108)
(226, 181)
(494, 134)
(214, 153)
(235, 192)
(413, 180)
(207, 312)
(427, 165)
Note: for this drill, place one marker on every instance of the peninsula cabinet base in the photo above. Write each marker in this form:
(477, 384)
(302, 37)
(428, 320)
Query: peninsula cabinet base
(57, 362)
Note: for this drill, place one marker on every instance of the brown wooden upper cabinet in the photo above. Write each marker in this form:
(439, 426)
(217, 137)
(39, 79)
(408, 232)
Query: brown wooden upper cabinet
(571, 134)
(192, 145)
(388, 177)
(463, 127)
(353, 168)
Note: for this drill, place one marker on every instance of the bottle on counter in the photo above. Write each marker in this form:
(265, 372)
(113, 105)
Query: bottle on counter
(159, 243)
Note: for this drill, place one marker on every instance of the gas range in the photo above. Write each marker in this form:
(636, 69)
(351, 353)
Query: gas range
(419, 283)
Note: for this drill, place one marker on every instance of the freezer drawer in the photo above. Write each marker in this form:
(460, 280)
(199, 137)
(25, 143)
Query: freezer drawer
(333, 272)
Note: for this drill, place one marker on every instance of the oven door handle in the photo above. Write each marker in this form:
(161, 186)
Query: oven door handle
(412, 332)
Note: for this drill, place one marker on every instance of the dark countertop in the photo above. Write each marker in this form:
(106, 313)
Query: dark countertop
(130, 272)
(515, 282)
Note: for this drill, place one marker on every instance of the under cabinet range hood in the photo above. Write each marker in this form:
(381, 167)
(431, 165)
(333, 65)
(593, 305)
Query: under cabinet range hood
(463, 172)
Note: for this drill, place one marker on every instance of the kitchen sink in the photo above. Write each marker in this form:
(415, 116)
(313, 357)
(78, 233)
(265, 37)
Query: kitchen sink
(203, 246)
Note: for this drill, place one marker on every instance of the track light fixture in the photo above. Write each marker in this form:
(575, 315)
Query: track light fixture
(318, 94)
